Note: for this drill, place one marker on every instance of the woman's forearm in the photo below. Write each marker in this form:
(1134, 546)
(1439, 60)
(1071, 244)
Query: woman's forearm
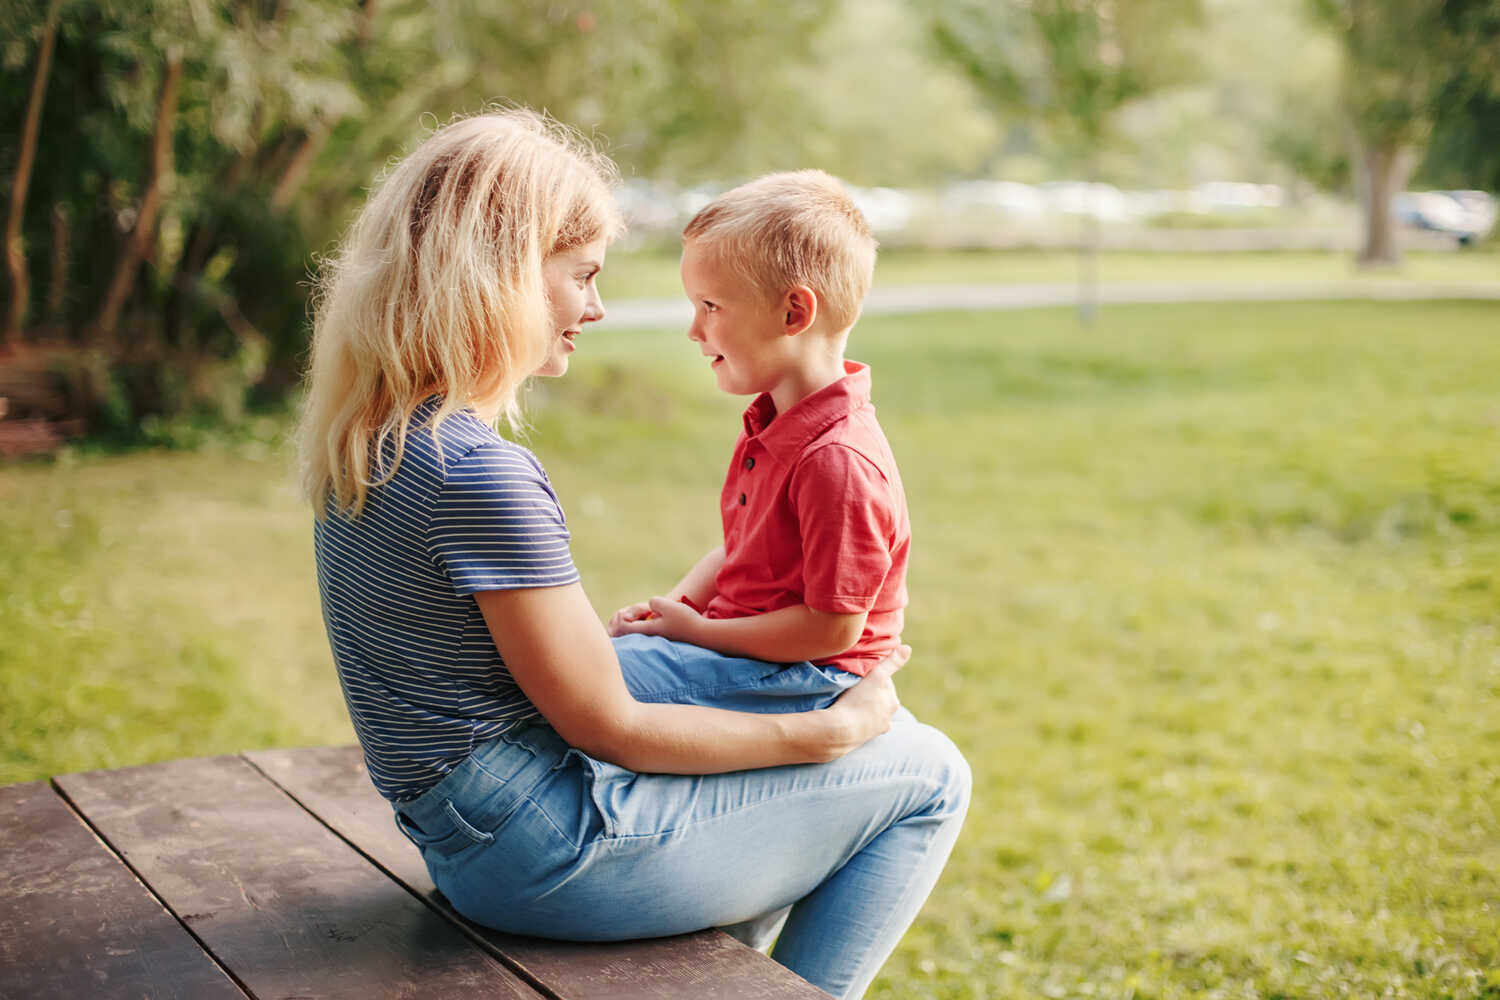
(562, 659)
(691, 739)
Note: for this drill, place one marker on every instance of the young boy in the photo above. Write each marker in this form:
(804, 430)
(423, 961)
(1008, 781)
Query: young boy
(812, 573)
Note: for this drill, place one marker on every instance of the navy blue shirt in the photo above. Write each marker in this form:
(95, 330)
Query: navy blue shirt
(465, 512)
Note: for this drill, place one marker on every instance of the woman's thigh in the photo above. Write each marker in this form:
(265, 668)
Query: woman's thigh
(594, 852)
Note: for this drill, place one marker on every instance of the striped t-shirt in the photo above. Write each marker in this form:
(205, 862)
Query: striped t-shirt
(419, 669)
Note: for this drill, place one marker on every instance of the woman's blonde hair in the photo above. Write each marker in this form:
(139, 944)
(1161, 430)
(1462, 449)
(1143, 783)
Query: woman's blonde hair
(789, 229)
(437, 289)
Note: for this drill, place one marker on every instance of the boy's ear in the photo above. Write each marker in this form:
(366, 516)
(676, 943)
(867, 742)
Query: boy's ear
(799, 309)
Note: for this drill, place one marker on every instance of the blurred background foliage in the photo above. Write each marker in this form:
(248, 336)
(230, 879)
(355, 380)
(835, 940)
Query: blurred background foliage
(175, 168)
(1206, 591)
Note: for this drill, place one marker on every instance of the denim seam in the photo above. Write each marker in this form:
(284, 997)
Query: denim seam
(657, 834)
(716, 689)
(550, 821)
(755, 685)
(479, 766)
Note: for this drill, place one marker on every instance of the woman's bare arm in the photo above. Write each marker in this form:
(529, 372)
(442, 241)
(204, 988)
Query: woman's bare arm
(562, 659)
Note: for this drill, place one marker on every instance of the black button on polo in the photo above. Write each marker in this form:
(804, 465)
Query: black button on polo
(742, 499)
(749, 463)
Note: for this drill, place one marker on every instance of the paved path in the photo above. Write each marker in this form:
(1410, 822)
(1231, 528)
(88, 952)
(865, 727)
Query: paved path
(637, 313)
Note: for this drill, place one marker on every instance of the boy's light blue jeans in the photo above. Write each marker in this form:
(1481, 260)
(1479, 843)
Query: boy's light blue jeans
(532, 837)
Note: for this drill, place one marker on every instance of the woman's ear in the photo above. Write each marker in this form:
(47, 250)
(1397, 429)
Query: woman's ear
(799, 310)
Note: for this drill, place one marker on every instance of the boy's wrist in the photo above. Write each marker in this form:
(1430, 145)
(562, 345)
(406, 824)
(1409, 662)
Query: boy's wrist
(700, 632)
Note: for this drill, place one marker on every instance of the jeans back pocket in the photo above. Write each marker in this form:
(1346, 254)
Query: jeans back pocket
(445, 835)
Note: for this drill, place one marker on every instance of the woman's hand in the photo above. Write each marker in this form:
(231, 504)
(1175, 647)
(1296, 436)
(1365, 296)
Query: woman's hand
(864, 711)
(552, 642)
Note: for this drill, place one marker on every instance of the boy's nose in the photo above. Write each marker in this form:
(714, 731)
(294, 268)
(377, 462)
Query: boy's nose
(695, 334)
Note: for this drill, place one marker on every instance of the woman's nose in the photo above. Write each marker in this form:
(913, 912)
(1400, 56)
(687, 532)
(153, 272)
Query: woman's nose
(593, 310)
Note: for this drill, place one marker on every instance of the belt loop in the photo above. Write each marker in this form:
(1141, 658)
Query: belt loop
(397, 817)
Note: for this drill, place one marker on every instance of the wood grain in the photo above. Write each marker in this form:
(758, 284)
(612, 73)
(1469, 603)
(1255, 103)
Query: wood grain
(331, 783)
(280, 901)
(74, 921)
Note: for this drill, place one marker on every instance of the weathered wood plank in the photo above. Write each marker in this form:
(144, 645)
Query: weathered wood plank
(709, 965)
(281, 902)
(74, 921)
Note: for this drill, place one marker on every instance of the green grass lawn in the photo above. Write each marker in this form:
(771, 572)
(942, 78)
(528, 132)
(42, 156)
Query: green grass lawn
(1208, 595)
(653, 273)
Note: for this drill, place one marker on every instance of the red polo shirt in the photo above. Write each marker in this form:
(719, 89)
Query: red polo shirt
(814, 514)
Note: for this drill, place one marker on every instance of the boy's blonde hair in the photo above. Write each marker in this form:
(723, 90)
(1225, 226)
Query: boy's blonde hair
(437, 288)
(789, 229)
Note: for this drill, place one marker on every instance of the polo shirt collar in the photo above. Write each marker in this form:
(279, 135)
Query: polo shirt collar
(785, 435)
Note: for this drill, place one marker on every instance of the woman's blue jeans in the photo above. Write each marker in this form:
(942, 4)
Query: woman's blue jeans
(533, 837)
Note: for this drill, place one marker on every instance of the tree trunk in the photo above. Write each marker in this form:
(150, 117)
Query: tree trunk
(1386, 166)
(302, 160)
(15, 252)
(1088, 264)
(145, 222)
(366, 23)
(62, 249)
(312, 144)
(1088, 250)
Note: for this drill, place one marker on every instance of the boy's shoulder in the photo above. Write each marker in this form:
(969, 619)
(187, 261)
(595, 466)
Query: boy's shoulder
(857, 430)
(850, 451)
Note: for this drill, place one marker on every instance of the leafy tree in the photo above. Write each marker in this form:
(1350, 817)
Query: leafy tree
(1403, 60)
(190, 155)
(878, 104)
(15, 254)
(1465, 148)
(183, 162)
(1070, 65)
(162, 124)
(1248, 117)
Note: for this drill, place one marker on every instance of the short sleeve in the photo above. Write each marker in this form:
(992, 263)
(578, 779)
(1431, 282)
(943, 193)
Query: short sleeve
(848, 515)
(497, 525)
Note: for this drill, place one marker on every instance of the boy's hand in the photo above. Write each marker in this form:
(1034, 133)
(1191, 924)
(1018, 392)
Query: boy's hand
(659, 616)
(626, 615)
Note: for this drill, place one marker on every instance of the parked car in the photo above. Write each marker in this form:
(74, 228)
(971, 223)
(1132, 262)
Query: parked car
(1021, 201)
(1103, 201)
(1465, 215)
(886, 209)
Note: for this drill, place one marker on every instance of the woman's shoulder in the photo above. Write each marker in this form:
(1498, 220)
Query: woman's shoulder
(471, 448)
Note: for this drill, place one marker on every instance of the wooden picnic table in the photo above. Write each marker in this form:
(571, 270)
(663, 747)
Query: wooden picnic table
(281, 874)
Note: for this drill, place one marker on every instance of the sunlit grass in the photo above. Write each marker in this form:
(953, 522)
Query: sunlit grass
(1208, 595)
(653, 274)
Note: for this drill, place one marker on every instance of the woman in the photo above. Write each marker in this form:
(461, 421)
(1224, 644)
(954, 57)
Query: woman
(490, 704)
